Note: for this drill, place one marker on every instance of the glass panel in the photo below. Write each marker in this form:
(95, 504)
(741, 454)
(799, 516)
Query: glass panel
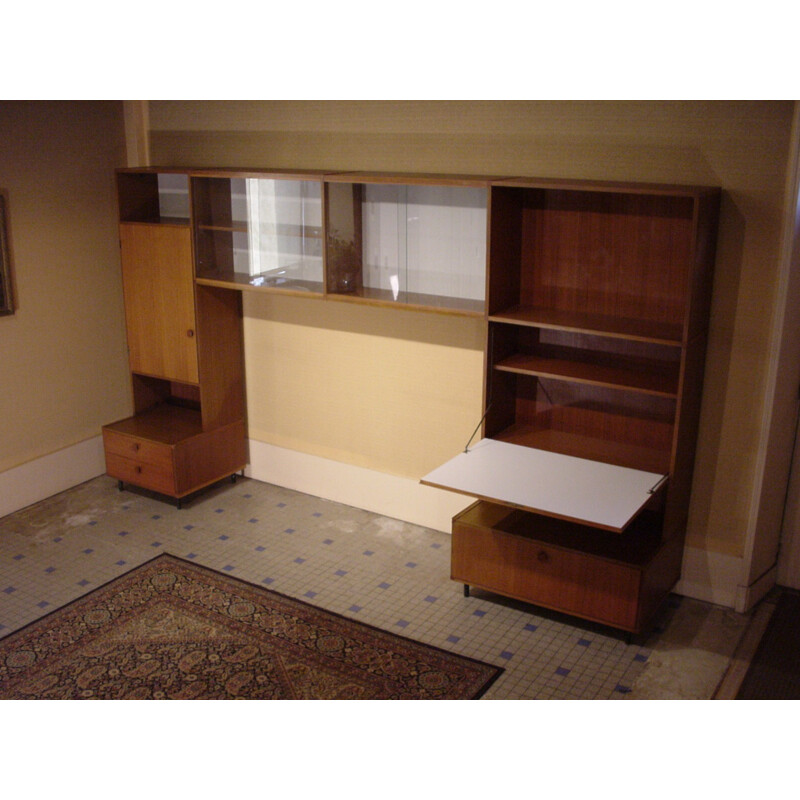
(419, 244)
(173, 196)
(284, 224)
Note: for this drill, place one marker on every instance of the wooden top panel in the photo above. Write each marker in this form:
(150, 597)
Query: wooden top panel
(676, 190)
(409, 178)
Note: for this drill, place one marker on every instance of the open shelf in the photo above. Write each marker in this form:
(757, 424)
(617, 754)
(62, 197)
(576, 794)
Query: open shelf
(597, 324)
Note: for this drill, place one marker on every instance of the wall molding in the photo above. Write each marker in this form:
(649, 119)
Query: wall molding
(389, 495)
(43, 477)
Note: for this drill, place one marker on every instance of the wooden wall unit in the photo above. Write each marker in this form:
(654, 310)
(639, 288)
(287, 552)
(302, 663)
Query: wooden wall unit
(596, 302)
(597, 311)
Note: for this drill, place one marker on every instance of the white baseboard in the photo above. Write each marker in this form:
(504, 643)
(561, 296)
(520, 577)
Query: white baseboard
(711, 577)
(43, 477)
(389, 495)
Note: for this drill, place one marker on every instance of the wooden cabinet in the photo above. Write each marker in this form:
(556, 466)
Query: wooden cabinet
(158, 286)
(185, 349)
(597, 310)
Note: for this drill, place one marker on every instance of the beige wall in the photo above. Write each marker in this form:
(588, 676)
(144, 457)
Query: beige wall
(399, 391)
(62, 355)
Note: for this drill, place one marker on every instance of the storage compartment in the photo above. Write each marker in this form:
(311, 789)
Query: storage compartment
(563, 566)
(259, 232)
(413, 243)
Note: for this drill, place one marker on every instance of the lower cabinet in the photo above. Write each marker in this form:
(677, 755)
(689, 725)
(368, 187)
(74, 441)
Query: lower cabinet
(615, 579)
(166, 451)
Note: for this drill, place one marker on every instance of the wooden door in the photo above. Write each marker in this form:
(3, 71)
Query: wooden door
(159, 300)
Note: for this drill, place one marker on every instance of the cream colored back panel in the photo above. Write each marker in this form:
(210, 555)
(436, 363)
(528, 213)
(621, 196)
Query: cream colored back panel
(396, 391)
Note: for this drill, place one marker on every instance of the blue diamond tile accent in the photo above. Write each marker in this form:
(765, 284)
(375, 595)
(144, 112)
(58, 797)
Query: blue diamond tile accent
(122, 533)
(223, 538)
(121, 563)
(622, 689)
(155, 544)
(402, 623)
(531, 627)
(431, 599)
(268, 581)
(19, 557)
(479, 613)
(156, 516)
(57, 539)
(191, 555)
(43, 604)
(260, 548)
(507, 655)
(248, 496)
(188, 527)
(436, 545)
(640, 657)
(229, 568)
(219, 510)
(281, 505)
(253, 520)
(289, 530)
(83, 582)
(340, 572)
(384, 585)
(9, 590)
(310, 594)
(300, 561)
(411, 564)
(452, 638)
(355, 609)
(327, 541)
(369, 552)
(584, 642)
(50, 570)
(316, 514)
(563, 671)
(87, 551)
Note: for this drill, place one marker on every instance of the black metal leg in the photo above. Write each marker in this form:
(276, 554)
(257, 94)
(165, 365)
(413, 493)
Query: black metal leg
(466, 590)
(120, 485)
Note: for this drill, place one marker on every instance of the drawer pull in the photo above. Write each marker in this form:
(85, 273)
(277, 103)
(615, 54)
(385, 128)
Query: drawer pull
(543, 557)
(138, 470)
(190, 333)
(136, 447)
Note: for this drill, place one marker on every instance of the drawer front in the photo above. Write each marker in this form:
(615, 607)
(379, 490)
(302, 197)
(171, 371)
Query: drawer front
(140, 473)
(563, 580)
(142, 451)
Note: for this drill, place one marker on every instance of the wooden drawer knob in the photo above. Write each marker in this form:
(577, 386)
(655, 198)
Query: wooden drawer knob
(190, 333)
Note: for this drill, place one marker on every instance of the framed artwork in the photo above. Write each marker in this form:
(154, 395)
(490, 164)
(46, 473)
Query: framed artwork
(6, 298)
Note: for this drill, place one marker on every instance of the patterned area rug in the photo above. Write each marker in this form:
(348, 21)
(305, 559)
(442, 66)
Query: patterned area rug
(170, 629)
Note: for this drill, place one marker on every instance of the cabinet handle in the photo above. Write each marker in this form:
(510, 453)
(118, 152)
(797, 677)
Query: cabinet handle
(190, 333)
(136, 447)
(543, 557)
(138, 470)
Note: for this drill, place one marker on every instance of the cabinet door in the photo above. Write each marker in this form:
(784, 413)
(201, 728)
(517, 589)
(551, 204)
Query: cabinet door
(159, 300)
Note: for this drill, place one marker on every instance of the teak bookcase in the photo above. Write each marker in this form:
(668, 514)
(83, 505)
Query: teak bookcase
(597, 309)
(596, 301)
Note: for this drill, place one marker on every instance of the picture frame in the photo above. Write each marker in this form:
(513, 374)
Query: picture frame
(6, 289)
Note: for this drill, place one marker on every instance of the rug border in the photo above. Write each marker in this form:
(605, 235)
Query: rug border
(166, 555)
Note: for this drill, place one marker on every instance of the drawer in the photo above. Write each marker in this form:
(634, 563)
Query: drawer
(534, 572)
(143, 451)
(156, 477)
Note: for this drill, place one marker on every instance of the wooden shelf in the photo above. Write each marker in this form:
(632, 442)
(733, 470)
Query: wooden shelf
(165, 423)
(588, 367)
(608, 451)
(424, 302)
(595, 324)
(241, 282)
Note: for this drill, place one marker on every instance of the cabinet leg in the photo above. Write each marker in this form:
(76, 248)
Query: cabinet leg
(120, 485)
(178, 503)
(466, 590)
(233, 478)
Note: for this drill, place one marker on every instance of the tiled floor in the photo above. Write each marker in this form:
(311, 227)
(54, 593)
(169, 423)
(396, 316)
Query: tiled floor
(383, 572)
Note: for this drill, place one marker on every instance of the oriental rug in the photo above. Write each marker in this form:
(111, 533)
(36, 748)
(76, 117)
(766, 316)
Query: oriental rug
(171, 629)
